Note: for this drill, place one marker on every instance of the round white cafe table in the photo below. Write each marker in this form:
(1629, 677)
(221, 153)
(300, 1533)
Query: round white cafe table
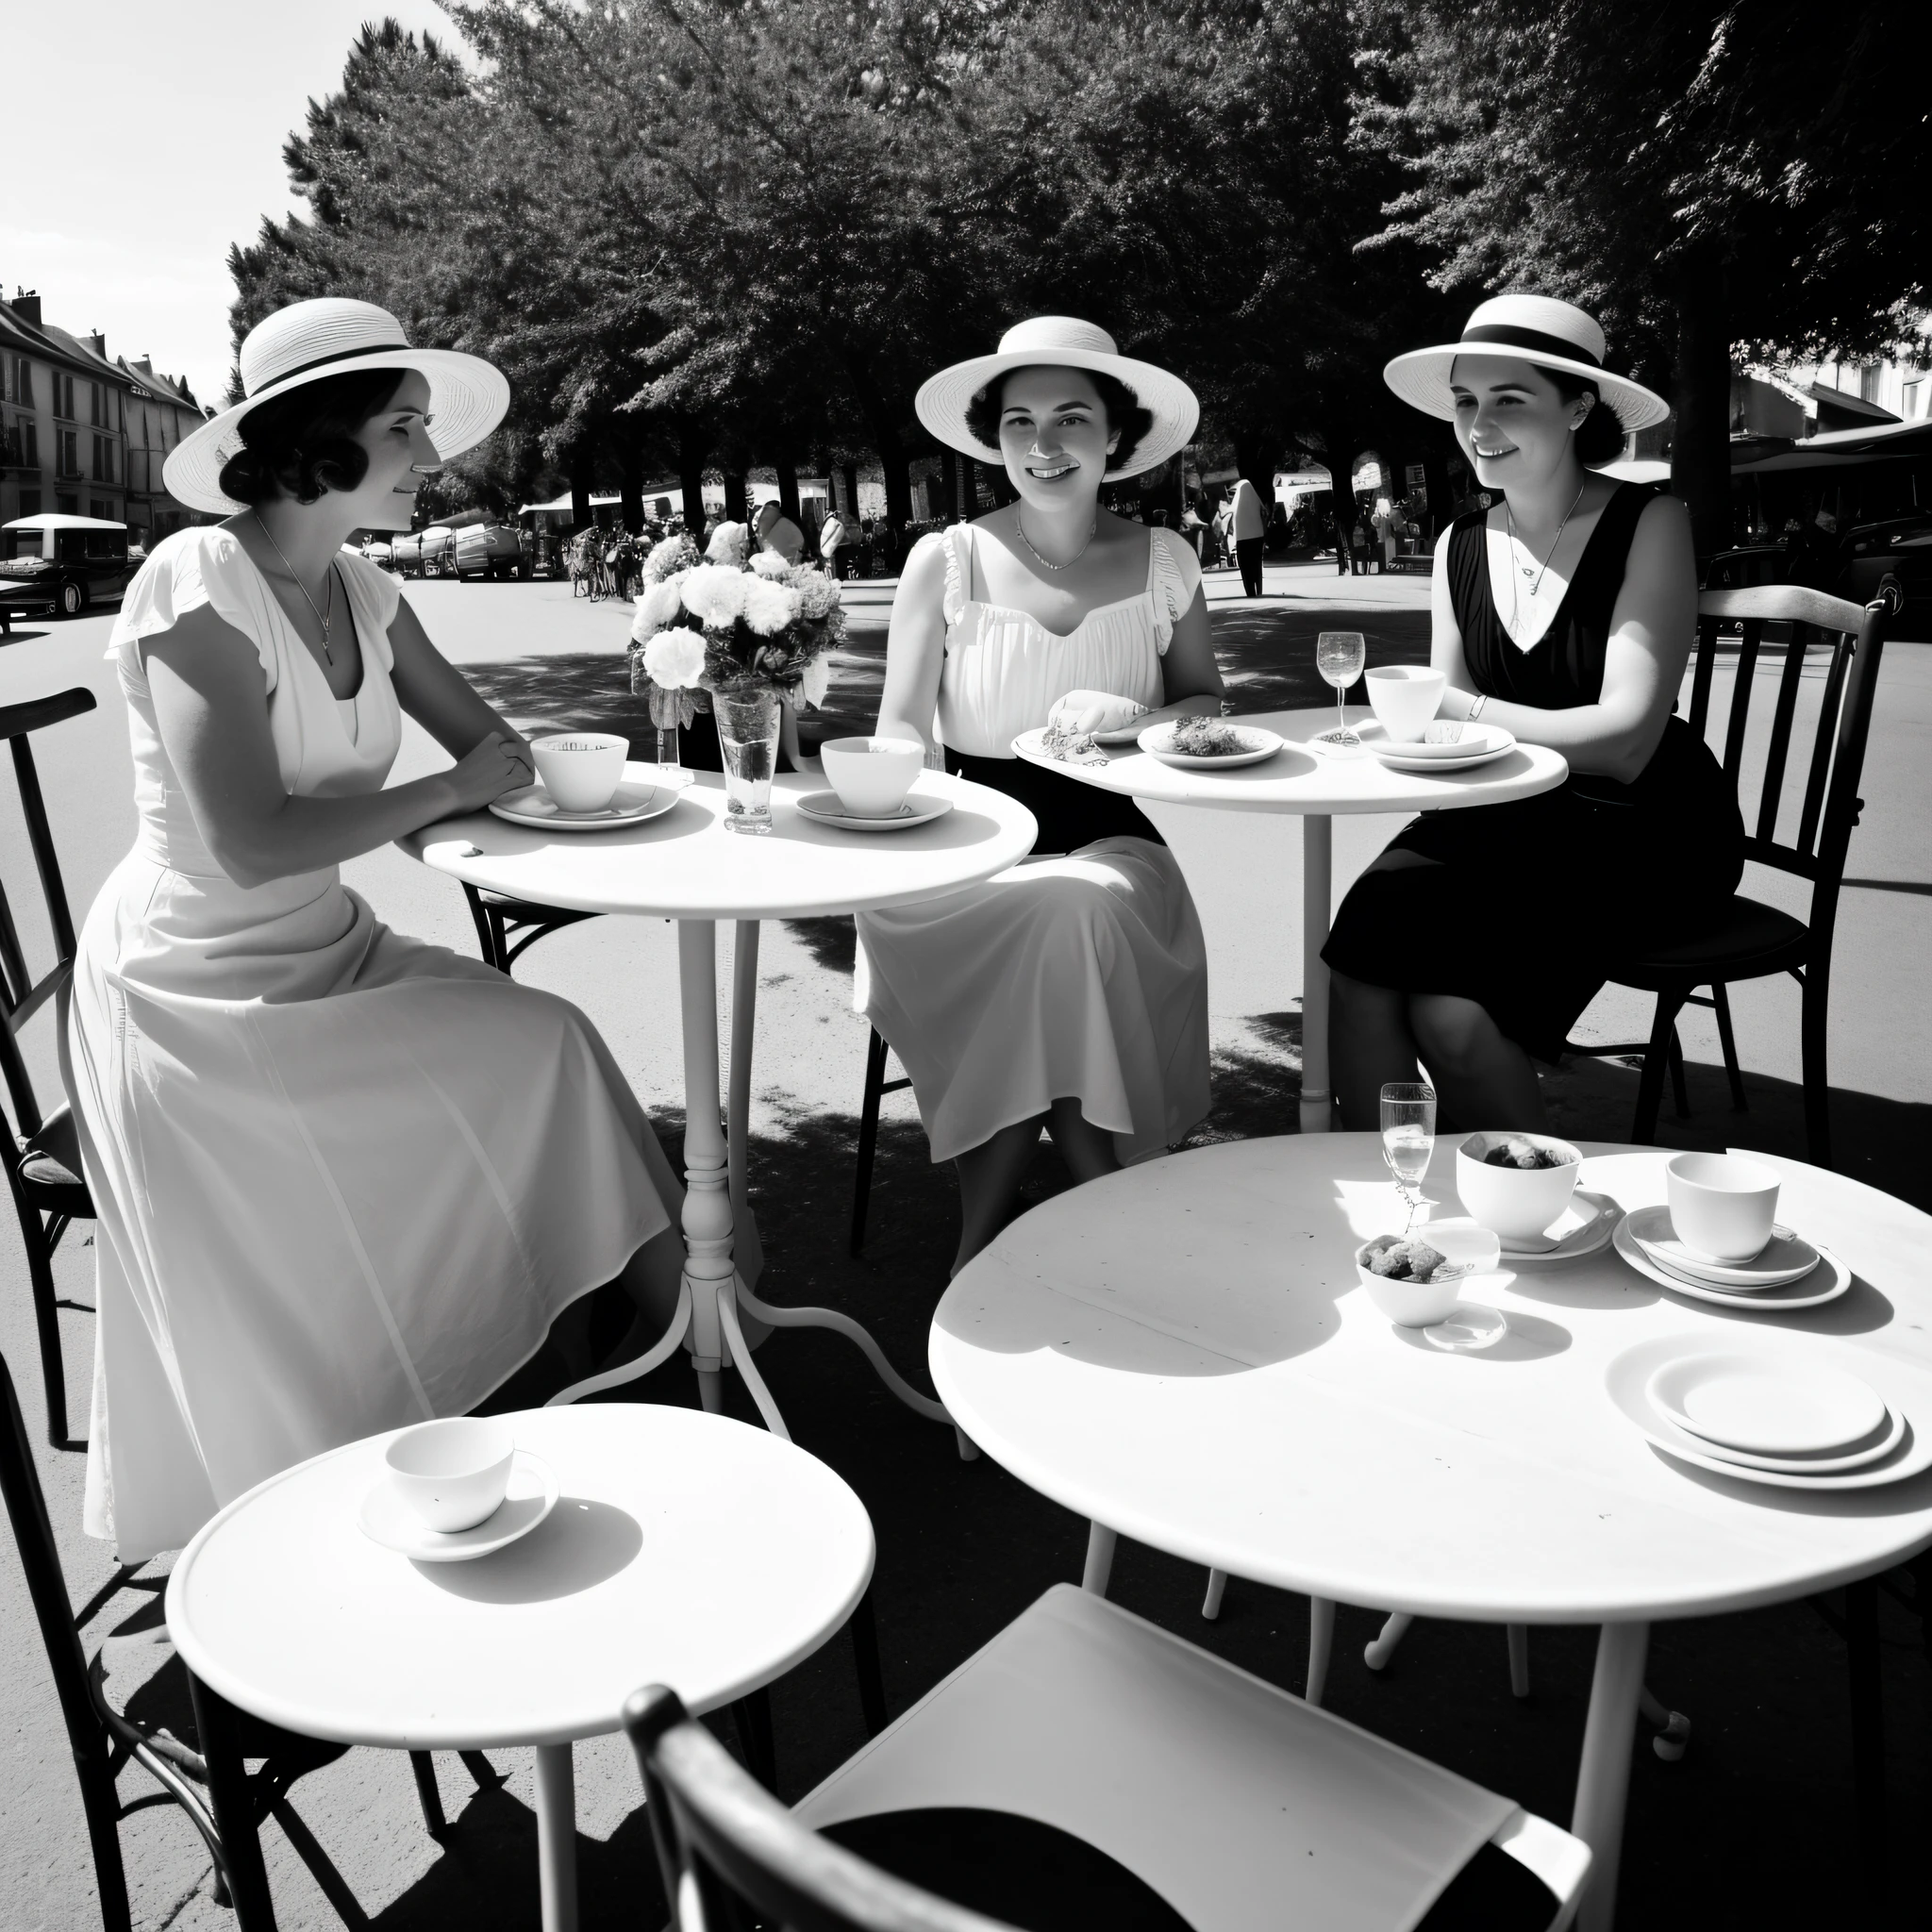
(1316, 788)
(685, 865)
(685, 1549)
(1183, 1355)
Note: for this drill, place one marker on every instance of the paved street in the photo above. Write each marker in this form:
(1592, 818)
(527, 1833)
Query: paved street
(962, 1547)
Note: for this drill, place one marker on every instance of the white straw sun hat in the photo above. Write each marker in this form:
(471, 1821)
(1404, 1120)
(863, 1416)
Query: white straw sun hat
(308, 341)
(1062, 342)
(1533, 328)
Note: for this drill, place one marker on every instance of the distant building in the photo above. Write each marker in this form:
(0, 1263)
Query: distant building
(84, 436)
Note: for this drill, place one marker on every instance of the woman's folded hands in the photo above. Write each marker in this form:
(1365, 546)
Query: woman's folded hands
(1095, 710)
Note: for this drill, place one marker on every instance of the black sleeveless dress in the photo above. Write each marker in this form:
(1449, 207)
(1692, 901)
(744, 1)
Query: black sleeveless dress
(1523, 907)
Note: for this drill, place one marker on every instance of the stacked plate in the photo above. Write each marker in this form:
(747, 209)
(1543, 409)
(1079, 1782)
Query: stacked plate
(1477, 746)
(1788, 1273)
(1796, 1414)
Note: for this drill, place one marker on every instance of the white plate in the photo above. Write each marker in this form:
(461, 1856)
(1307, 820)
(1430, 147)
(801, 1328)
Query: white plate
(1787, 1257)
(1157, 742)
(827, 809)
(532, 806)
(1806, 1293)
(531, 1496)
(1882, 1442)
(1488, 742)
(1743, 1397)
(1583, 1228)
(1904, 1389)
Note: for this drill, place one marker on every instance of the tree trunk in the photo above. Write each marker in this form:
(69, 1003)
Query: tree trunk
(788, 487)
(580, 487)
(737, 496)
(1701, 385)
(693, 446)
(631, 485)
(1338, 437)
(847, 479)
(1254, 456)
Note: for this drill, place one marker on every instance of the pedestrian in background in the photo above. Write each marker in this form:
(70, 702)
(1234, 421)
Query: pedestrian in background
(777, 533)
(833, 539)
(1249, 522)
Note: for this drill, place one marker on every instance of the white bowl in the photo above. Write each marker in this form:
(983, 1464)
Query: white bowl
(1722, 1205)
(872, 775)
(1403, 697)
(453, 1473)
(1517, 1202)
(1422, 1304)
(581, 769)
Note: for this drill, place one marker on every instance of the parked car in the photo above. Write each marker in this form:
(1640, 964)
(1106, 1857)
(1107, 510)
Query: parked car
(62, 565)
(378, 553)
(438, 543)
(405, 554)
(488, 550)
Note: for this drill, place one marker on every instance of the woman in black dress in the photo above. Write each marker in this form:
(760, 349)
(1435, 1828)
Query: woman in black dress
(1563, 611)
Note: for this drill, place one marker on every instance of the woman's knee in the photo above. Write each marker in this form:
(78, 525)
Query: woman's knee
(1356, 1003)
(1454, 1033)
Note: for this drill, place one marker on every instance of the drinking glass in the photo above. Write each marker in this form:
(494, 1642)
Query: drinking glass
(1408, 1138)
(1339, 655)
(748, 734)
(666, 709)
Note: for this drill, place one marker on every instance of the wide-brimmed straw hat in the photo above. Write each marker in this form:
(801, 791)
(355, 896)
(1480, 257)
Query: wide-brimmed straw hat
(1532, 328)
(308, 341)
(1062, 342)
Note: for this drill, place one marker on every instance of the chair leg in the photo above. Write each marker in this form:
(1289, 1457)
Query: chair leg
(1817, 1091)
(1680, 1091)
(1320, 1646)
(868, 1136)
(1100, 1545)
(1868, 1733)
(1380, 1648)
(1721, 1004)
(1518, 1635)
(1656, 1058)
(753, 1716)
(1217, 1588)
(865, 1656)
(219, 1734)
(424, 1767)
(479, 918)
(47, 1321)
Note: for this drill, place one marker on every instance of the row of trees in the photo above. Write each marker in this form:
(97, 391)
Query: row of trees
(728, 232)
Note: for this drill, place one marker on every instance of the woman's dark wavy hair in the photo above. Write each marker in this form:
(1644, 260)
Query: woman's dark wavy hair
(1122, 408)
(304, 442)
(1600, 440)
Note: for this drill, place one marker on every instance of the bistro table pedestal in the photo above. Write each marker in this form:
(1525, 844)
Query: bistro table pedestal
(1298, 780)
(685, 865)
(1182, 1354)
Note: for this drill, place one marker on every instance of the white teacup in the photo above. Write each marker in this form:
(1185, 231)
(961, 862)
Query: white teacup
(581, 769)
(872, 775)
(453, 1473)
(1722, 1205)
(1403, 697)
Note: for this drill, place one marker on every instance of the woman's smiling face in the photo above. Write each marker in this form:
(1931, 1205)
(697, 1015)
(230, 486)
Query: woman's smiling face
(1053, 435)
(396, 439)
(1515, 426)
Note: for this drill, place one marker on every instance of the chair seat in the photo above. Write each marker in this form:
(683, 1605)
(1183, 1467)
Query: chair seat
(1747, 941)
(1235, 1805)
(50, 1163)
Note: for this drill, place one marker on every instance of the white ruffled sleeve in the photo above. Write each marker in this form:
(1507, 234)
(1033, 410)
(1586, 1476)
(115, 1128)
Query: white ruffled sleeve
(953, 599)
(1177, 577)
(194, 567)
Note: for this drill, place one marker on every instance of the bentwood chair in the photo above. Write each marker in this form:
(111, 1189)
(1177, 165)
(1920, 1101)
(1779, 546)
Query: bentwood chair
(876, 1087)
(1746, 939)
(41, 1149)
(1086, 1768)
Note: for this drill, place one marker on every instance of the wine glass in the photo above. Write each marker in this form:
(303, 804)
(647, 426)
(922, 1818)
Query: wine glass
(1339, 655)
(1408, 1138)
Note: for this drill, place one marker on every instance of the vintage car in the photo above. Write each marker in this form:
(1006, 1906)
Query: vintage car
(62, 565)
(487, 548)
(439, 548)
(405, 554)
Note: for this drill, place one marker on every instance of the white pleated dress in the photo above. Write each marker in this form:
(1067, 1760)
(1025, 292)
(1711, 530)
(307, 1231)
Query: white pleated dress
(1082, 975)
(345, 1179)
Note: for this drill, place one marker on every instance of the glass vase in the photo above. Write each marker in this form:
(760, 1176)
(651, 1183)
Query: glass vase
(748, 736)
(666, 709)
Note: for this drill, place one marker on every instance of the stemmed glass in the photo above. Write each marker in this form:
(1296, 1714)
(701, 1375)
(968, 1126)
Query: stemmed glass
(1339, 655)
(665, 708)
(1408, 1138)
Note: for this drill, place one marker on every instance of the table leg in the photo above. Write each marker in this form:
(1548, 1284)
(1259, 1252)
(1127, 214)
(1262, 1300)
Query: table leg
(1100, 1546)
(1317, 874)
(233, 1803)
(706, 1179)
(556, 1838)
(1603, 1779)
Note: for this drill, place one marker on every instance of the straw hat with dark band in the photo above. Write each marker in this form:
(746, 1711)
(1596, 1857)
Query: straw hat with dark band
(333, 335)
(1532, 328)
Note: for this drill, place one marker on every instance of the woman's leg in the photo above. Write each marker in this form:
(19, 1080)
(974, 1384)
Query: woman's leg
(651, 1277)
(989, 1184)
(1088, 1150)
(1484, 1079)
(1369, 1045)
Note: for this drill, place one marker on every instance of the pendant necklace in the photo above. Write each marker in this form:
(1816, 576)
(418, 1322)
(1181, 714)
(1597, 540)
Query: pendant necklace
(1020, 523)
(1516, 543)
(323, 617)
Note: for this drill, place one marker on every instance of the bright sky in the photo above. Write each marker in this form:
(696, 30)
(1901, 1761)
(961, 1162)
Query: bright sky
(141, 141)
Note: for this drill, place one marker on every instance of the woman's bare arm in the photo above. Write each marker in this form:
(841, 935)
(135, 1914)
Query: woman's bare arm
(915, 647)
(1189, 673)
(212, 714)
(1653, 626)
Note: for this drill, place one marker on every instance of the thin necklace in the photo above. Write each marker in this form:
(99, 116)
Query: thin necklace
(322, 617)
(1509, 518)
(1021, 523)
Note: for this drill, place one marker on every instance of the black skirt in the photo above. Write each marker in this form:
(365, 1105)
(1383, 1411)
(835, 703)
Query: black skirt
(1070, 813)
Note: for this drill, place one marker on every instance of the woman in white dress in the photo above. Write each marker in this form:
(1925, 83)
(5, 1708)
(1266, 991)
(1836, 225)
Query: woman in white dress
(345, 1180)
(1072, 991)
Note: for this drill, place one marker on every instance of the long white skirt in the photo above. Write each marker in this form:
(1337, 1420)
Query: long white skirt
(1081, 976)
(347, 1180)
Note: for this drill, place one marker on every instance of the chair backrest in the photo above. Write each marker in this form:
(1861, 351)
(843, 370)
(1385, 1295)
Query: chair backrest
(20, 995)
(732, 1856)
(1828, 805)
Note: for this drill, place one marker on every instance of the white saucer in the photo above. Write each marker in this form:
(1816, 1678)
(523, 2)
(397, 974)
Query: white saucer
(1883, 1440)
(827, 809)
(1630, 1374)
(1806, 1293)
(1762, 1401)
(1476, 747)
(530, 1497)
(1470, 1326)
(1158, 741)
(1787, 1257)
(532, 806)
(1585, 1225)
